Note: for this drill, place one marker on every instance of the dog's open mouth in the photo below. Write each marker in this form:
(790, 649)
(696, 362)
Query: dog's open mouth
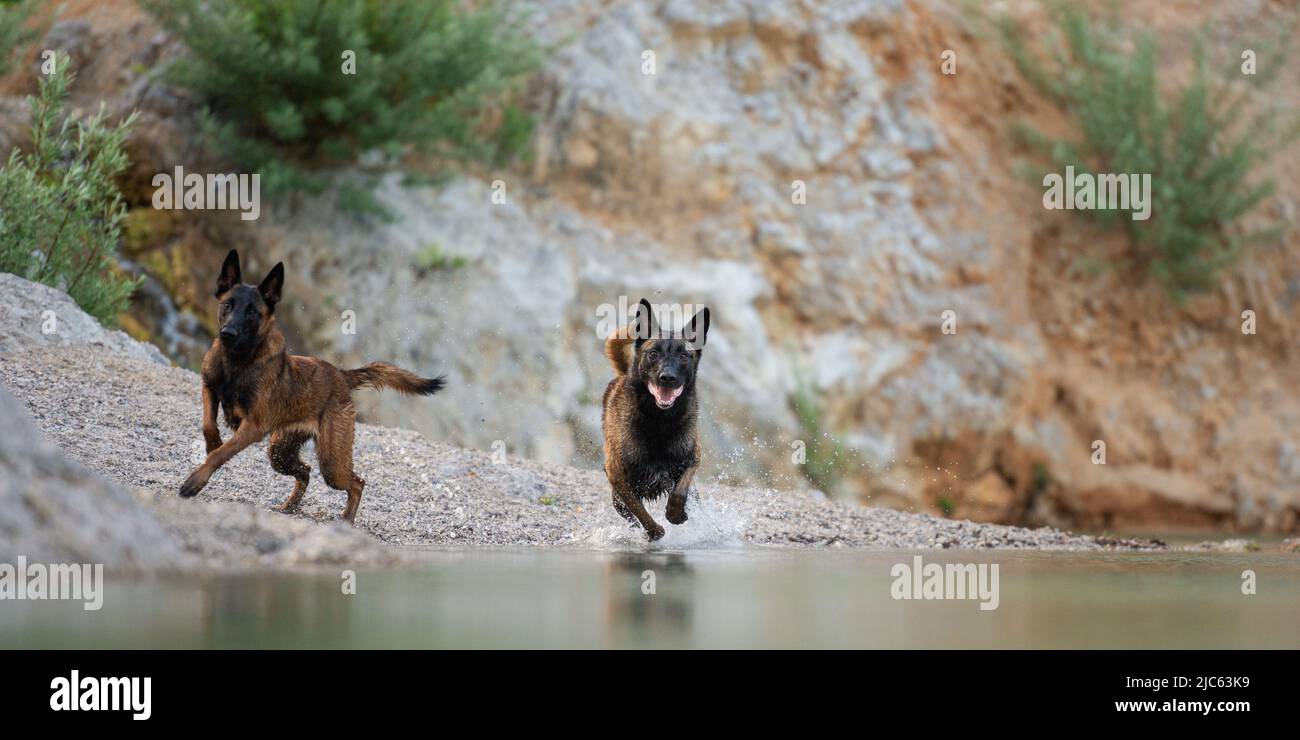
(664, 397)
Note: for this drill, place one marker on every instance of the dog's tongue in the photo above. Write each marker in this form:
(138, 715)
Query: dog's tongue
(664, 396)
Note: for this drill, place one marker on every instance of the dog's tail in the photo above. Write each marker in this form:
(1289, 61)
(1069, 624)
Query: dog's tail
(382, 375)
(618, 348)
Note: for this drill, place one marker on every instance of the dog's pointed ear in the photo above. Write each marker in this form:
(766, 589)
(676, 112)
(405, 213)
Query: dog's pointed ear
(272, 286)
(697, 329)
(230, 275)
(644, 326)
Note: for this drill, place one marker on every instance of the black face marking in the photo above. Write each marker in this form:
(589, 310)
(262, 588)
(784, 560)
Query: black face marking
(665, 362)
(665, 371)
(669, 363)
(240, 317)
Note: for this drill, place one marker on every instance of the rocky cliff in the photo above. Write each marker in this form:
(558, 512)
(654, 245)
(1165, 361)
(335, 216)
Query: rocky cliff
(685, 186)
(807, 171)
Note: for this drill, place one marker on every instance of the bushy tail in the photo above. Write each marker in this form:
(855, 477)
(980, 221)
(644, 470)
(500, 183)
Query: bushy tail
(382, 375)
(618, 348)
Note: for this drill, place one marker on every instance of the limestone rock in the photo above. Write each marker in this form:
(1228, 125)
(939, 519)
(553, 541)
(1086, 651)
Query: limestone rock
(35, 314)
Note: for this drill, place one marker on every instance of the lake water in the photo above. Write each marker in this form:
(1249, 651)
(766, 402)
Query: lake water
(750, 597)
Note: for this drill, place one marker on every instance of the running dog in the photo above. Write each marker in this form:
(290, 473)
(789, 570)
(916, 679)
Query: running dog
(262, 390)
(650, 416)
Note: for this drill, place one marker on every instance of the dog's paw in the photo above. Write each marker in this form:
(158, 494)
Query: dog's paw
(191, 486)
(286, 507)
(676, 514)
(654, 532)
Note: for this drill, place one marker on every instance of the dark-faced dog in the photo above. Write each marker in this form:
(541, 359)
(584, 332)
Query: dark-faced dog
(650, 416)
(262, 390)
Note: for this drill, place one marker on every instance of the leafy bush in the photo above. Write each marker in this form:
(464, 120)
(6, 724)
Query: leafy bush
(1202, 142)
(60, 210)
(825, 455)
(14, 29)
(429, 75)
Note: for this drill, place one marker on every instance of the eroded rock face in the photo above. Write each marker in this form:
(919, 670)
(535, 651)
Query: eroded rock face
(762, 170)
(805, 170)
(799, 169)
(38, 315)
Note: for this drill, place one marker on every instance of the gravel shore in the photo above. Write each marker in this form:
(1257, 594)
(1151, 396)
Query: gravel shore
(136, 422)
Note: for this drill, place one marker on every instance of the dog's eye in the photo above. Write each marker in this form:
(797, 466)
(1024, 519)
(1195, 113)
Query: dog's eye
(250, 311)
(225, 307)
(652, 354)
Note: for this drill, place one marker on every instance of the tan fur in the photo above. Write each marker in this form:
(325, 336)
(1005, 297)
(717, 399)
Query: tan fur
(293, 399)
(380, 375)
(618, 348)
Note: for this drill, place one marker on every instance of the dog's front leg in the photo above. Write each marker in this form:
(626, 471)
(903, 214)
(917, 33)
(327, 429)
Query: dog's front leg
(211, 435)
(245, 435)
(633, 504)
(676, 511)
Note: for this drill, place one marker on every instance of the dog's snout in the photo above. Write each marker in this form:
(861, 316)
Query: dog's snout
(228, 332)
(667, 378)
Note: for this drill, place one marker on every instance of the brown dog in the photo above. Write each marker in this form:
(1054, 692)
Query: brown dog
(650, 416)
(262, 389)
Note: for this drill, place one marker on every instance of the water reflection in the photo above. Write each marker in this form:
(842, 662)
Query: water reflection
(649, 593)
(754, 597)
(249, 610)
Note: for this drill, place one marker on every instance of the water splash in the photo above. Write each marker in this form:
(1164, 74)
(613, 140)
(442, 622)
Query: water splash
(713, 524)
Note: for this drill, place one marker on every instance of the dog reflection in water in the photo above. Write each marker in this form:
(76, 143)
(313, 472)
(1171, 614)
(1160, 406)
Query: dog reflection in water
(648, 595)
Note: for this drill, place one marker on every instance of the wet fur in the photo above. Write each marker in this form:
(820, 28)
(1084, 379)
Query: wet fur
(263, 390)
(651, 451)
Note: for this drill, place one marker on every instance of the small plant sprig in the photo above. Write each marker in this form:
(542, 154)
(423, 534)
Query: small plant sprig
(827, 457)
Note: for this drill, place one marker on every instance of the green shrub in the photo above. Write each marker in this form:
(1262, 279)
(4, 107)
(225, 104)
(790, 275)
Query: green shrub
(60, 210)
(430, 76)
(14, 29)
(1202, 142)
